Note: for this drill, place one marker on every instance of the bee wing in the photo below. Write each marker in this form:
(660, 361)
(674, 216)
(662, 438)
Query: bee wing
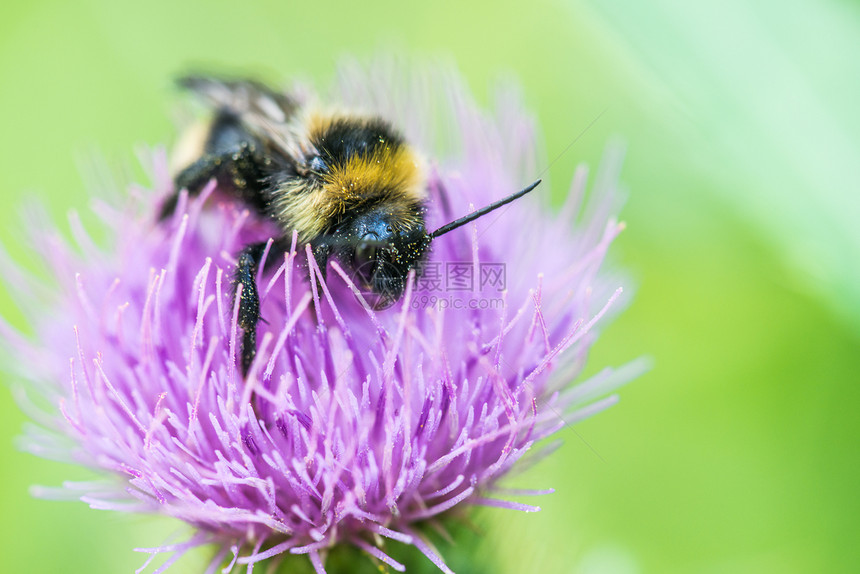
(263, 111)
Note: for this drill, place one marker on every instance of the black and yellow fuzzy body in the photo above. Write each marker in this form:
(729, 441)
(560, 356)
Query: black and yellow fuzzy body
(348, 185)
(360, 198)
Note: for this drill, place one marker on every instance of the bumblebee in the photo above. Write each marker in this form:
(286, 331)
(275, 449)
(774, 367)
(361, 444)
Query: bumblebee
(350, 186)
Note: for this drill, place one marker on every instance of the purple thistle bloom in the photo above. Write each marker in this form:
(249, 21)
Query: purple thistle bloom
(353, 425)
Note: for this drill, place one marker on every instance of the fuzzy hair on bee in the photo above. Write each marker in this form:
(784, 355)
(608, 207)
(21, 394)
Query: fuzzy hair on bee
(348, 185)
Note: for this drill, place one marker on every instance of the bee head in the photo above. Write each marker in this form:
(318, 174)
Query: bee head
(382, 246)
(384, 243)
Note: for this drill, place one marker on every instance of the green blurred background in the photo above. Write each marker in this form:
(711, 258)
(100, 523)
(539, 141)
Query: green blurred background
(738, 452)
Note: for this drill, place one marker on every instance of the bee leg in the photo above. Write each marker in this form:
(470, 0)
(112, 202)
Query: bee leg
(192, 178)
(239, 169)
(249, 302)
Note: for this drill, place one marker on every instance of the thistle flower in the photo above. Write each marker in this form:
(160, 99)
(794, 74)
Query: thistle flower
(353, 425)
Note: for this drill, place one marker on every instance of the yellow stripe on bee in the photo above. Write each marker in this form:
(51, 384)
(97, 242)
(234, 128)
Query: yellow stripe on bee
(392, 174)
(392, 170)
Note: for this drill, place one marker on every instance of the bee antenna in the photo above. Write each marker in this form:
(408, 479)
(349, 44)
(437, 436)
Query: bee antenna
(481, 212)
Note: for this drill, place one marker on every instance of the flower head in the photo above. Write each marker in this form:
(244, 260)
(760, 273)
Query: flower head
(353, 424)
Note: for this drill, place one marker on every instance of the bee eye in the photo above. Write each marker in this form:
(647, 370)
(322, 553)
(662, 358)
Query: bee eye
(365, 254)
(364, 260)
